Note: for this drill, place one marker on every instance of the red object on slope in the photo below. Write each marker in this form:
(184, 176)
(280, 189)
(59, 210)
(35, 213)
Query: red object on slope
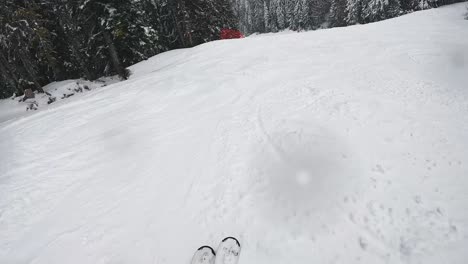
(227, 33)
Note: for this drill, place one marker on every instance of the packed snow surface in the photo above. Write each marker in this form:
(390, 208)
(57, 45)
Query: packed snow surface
(346, 145)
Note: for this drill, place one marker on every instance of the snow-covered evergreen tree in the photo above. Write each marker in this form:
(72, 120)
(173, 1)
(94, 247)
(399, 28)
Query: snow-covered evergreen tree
(376, 10)
(319, 10)
(26, 45)
(301, 18)
(338, 15)
(409, 5)
(354, 11)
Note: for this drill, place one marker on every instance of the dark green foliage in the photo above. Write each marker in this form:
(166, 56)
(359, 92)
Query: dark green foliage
(338, 13)
(201, 21)
(274, 15)
(25, 43)
(376, 10)
(48, 40)
(409, 5)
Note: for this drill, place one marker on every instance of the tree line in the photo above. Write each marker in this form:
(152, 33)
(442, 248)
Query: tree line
(48, 40)
(274, 15)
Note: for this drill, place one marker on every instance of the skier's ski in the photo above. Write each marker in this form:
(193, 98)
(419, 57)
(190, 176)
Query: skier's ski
(204, 255)
(228, 251)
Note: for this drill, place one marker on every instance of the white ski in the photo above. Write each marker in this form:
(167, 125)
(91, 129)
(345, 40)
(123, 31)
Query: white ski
(228, 251)
(204, 255)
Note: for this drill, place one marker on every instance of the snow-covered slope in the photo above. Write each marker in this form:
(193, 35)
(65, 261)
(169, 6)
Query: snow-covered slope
(346, 145)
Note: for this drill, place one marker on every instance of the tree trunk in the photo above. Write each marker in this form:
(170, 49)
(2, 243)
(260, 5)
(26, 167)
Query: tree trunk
(179, 31)
(63, 20)
(75, 51)
(114, 55)
(184, 29)
(30, 72)
(9, 74)
(58, 74)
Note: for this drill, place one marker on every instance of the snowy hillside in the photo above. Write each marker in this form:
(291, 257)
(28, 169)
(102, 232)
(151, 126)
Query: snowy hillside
(346, 145)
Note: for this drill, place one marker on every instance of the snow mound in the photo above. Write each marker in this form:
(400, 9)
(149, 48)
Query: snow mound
(54, 92)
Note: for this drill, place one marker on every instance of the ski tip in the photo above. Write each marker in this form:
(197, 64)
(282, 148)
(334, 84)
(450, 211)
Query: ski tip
(208, 247)
(233, 238)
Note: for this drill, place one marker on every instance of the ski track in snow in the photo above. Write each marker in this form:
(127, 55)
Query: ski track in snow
(345, 145)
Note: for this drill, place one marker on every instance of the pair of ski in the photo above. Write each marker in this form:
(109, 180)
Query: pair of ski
(228, 253)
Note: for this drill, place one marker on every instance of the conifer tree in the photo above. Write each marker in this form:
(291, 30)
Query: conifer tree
(338, 14)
